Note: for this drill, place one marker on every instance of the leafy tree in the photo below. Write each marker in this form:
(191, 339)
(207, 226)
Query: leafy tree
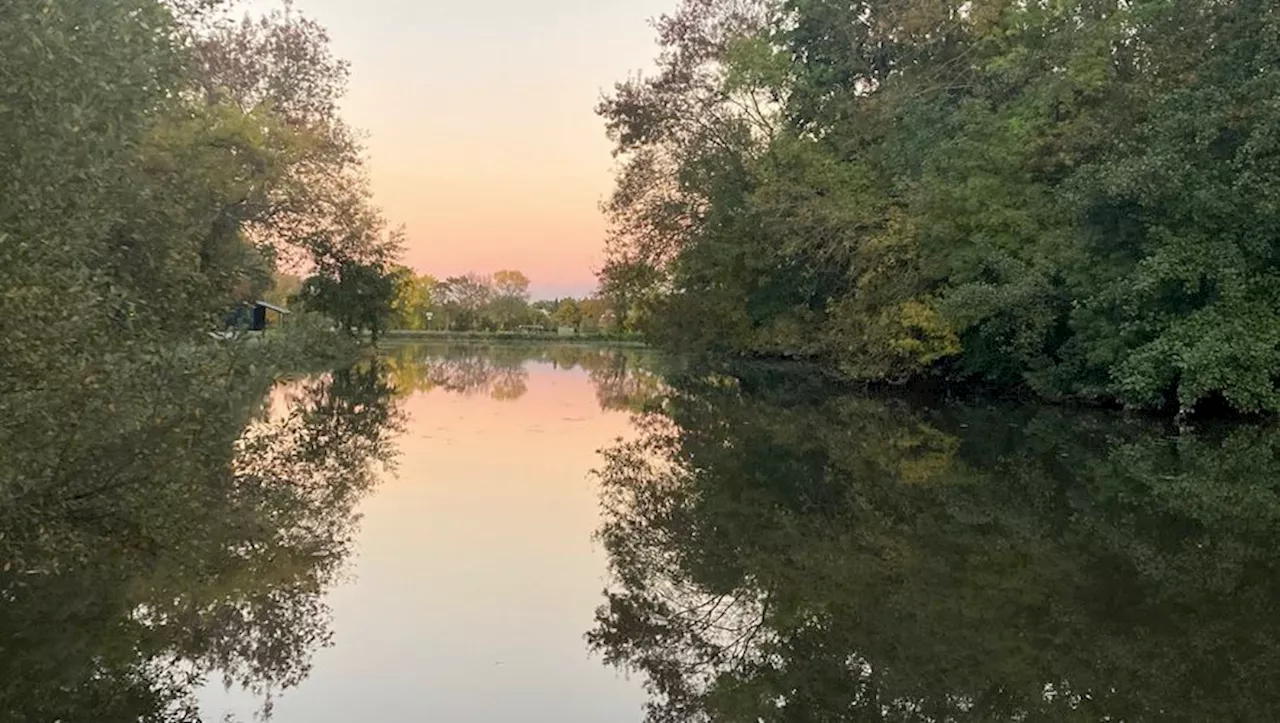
(630, 290)
(145, 189)
(512, 284)
(279, 67)
(567, 313)
(905, 189)
(597, 315)
(360, 298)
(154, 172)
(464, 298)
(415, 299)
(510, 305)
(283, 288)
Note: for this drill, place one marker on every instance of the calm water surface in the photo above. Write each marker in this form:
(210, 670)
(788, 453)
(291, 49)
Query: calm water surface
(755, 545)
(475, 574)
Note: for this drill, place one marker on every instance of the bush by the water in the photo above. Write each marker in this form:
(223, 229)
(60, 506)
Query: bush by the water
(1075, 197)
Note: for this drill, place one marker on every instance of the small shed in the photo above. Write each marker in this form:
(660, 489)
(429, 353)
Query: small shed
(261, 309)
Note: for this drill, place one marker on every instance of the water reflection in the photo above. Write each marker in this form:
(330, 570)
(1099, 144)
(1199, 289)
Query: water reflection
(624, 378)
(184, 525)
(782, 552)
(476, 572)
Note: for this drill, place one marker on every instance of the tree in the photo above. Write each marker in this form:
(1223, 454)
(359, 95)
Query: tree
(510, 305)
(511, 284)
(360, 298)
(279, 66)
(464, 298)
(567, 313)
(955, 192)
(284, 287)
(598, 314)
(415, 298)
(630, 289)
(142, 194)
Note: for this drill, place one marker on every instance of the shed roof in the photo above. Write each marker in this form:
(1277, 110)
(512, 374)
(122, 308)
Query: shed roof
(270, 306)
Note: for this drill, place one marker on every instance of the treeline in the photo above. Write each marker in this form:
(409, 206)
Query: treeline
(1077, 198)
(158, 161)
(498, 302)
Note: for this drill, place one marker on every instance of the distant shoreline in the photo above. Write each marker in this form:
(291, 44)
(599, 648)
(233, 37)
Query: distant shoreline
(514, 336)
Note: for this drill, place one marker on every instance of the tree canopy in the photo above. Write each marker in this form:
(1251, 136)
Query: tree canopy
(159, 166)
(161, 163)
(496, 302)
(1069, 197)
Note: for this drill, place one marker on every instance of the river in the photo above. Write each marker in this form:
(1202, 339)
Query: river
(578, 533)
(474, 575)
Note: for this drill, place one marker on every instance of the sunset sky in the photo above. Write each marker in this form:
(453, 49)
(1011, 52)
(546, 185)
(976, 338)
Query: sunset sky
(481, 132)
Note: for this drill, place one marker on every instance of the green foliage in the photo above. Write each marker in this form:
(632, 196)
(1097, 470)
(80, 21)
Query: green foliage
(283, 288)
(359, 297)
(171, 520)
(415, 296)
(567, 313)
(787, 551)
(156, 170)
(1072, 197)
(510, 305)
(463, 300)
(499, 303)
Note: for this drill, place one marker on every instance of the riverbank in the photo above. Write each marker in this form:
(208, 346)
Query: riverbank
(617, 340)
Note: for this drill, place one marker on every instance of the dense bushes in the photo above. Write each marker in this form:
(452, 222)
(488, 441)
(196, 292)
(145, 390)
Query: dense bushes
(1078, 197)
(157, 163)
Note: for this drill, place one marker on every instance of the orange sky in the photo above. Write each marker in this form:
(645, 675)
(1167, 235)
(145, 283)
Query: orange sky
(482, 137)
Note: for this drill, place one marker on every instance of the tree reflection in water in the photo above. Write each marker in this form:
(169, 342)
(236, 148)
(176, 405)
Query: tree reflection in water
(179, 519)
(184, 531)
(786, 552)
(624, 378)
